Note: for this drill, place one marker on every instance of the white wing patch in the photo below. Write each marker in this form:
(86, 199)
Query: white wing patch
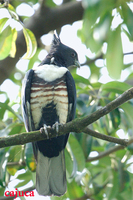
(50, 72)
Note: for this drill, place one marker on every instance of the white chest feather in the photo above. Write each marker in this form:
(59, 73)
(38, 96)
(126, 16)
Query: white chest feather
(50, 72)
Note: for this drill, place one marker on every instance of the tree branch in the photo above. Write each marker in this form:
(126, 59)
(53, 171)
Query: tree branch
(44, 20)
(88, 62)
(105, 153)
(109, 151)
(11, 164)
(105, 137)
(77, 125)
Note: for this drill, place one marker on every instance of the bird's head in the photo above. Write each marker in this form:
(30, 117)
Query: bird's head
(63, 55)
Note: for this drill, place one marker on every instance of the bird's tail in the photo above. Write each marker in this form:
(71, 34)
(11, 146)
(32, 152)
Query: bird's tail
(51, 175)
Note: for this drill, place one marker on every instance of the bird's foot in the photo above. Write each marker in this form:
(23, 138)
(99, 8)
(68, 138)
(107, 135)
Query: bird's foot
(56, 127)
(44, 130)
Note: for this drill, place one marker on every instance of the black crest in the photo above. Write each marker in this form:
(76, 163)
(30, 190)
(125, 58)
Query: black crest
(56, 40)
(60, 54)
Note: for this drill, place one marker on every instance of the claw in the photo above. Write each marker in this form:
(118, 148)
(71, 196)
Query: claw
(44, 130)
(56, 127)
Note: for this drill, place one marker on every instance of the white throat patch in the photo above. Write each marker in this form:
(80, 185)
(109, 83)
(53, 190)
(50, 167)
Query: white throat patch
(50, 72)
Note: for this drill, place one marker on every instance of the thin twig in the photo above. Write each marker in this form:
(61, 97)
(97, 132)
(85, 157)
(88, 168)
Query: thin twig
(128, 53)
(108, 138)
(10, 164)
(105, 153)
(88, 62)
(109, 151)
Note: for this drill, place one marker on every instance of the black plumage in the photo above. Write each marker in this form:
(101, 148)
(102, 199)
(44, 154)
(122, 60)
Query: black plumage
(48, 98)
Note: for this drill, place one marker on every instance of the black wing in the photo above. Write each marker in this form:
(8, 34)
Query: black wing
(71, 96)
(26, 111)
(71, 101)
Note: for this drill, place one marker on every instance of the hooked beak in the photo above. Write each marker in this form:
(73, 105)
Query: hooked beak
(77, 64)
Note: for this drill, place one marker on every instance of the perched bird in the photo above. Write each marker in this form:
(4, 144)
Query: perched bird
(48, 99)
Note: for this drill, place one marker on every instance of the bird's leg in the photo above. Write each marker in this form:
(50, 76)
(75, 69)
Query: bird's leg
(56, 127)
(44, 130)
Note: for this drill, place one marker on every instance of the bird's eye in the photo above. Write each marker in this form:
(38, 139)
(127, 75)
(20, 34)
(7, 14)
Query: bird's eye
(73, 54)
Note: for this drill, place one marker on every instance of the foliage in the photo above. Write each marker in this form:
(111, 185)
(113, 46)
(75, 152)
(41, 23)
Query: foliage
(110, 177)
(8, 36)
(105, 26)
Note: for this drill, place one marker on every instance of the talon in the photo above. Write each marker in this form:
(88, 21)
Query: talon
(56, 127)
(44, 130)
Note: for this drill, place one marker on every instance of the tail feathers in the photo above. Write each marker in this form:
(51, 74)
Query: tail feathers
(51, 175)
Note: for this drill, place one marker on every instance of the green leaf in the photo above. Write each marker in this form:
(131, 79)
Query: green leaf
(2, 190)
(25, 178)
(114, 190)
(11, 8)
(86, 143)
(22, 183)
(69, 165)
(97, 188)
(95, 73)
(80, 79)
(14, 156)
(50, 3)
(128, 109)
(120, 153)
(22, 176)
(114, 55)
(15, 153)
(1, 5)
(13, 48)
(86, 34)
(5, 42)
(130, 148)
(123, 177)
(30, 42)
(15, 128)
(110, 122)
(82, 106)
(29, 157)
(12, 12)
(77, 151)
(56, 198)
(23, 198)
(127, 193)
(2, 23)
(74, 190)
(115, 86)
(3, 162)
(115, 118)
(127, 16)
(97, 20)
(34, 58)
(5, 106)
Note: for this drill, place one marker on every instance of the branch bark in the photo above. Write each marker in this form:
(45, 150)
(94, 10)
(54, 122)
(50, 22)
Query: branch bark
(109, 151)
(77, 125)
(105, 153)
(44, 20)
